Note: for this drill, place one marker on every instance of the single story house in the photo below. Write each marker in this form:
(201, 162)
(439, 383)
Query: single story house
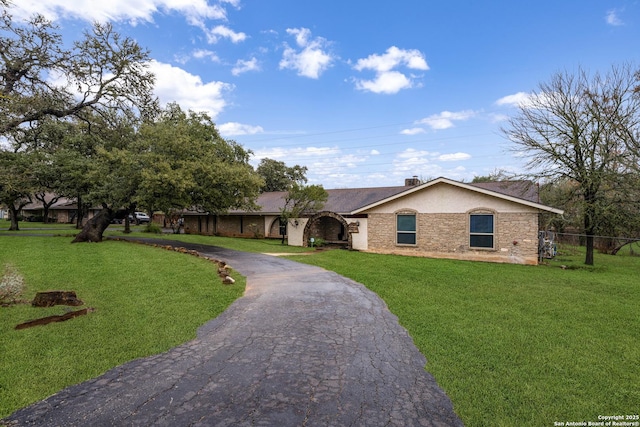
(493, 221)
(64, 210)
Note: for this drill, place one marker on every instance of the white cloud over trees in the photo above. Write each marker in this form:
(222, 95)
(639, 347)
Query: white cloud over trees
(174, 84)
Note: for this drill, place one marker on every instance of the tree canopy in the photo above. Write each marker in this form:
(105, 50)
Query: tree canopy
(185, 163)
(278, 176)
(83, 122)
(17, 182)
(583, 129)
(40, 78)
(174, 162)
(303, 199)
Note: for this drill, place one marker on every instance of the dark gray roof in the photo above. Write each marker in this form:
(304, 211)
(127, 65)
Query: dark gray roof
(62, 203)
(342, 201)
(526, 190)
(348, 200)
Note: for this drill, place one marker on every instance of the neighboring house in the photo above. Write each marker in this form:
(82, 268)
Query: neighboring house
(62, 211)
(495, 221)
(65, 210)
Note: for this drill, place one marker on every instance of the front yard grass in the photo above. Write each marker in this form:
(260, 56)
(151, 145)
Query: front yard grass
(147, 300)
(117, 231)
(245, 245)
(511, 344)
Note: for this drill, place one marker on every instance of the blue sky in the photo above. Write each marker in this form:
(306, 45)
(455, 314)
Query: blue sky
(363, 93)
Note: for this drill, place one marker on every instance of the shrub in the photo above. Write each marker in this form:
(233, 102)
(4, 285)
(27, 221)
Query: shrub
(153, 228)
(11, 285)
(318, 242)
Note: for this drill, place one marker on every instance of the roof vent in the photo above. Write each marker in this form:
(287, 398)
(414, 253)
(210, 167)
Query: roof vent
(411, 182)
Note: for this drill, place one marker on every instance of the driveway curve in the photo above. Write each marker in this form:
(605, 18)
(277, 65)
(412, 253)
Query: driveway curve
(303, 347)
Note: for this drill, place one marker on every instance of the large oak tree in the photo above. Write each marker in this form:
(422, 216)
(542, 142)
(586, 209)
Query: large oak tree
(43, 80)
(174, 162)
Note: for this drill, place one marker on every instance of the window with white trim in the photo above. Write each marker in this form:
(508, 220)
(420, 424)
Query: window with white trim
(481, 230)
(406, 229)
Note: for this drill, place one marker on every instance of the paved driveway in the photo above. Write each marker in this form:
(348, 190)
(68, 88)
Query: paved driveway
(303, 346)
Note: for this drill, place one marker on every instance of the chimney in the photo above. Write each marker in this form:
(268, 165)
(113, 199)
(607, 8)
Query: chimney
(411, 182)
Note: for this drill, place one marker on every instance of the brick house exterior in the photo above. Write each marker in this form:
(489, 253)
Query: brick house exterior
(496, 222)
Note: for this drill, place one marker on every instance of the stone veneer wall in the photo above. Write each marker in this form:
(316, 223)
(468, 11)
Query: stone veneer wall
(447, 236)
(274, 231)
(328, 229)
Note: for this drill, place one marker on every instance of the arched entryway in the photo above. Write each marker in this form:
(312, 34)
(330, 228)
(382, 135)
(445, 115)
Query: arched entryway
(328, 226)
(274, 229)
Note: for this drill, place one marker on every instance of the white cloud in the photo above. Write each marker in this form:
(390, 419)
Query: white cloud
(220, 31)
(412, 131)
(196, 11)
(393, 58)
(388, 80)
(424, 164)
(529, 100)
(235, 128)
(174, 84)
(613, 19)
(374, 152)
(243, 66)
(328, 166)
(516, 100)
(182, 58)
(446, 119)
(204, 53)
(291, 155)
(301, 34)
(497, 118)
(234, 3)
(454, 157)
(312, 59)
(412, 162)
(411, 156)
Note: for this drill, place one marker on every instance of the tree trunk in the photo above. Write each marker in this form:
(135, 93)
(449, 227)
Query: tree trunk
(14, 218)
(93, 229)
(589, 231)
(620, 246)
(127, 224)
(588, 259)
(56, 318)
(79, 213)
(51, 298)
(45, 213)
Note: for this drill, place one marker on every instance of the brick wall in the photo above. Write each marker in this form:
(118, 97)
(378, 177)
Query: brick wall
(447, 236)
(328, 229)
(226, 225)
(192, 225)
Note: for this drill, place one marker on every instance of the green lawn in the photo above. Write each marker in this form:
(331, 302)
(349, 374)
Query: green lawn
(510, 344)
(117, 230)
(147, 301)
(246, 245)
(516, 345)
(32, 227)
